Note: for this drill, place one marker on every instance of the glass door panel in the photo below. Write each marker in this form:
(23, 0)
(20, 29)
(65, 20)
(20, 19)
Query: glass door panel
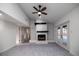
(65, 34)
(59, 33)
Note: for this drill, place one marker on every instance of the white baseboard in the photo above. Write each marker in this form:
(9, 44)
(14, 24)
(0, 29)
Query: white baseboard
(7, 49)
(32, 41)
(74, 54)
(42, 42)
(50, 41)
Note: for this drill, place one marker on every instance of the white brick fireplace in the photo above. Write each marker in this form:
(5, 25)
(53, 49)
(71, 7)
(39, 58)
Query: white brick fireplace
(41, 31)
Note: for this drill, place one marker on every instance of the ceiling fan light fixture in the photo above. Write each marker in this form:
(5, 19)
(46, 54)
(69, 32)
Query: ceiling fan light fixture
(39, 13)
(0, 14)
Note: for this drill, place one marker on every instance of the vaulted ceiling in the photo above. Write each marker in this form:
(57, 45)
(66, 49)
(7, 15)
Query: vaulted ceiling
(55, 10)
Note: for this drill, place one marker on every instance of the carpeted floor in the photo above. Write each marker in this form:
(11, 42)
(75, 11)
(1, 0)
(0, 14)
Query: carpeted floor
(36, 50)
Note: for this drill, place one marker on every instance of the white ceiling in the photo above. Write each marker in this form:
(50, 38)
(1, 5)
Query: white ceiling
(55, 10)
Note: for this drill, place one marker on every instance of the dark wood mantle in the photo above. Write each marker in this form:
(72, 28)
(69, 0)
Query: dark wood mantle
(40, 23)
(42, 31)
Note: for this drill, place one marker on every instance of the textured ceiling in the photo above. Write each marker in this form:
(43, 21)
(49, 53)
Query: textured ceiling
(55, 10)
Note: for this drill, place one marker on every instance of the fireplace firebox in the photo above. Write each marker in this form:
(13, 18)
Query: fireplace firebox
(41, 37)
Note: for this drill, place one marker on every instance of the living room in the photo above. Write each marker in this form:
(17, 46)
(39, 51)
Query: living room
(50, 29)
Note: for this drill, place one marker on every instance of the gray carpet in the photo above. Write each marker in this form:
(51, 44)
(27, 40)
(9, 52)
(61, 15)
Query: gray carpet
(36, 50)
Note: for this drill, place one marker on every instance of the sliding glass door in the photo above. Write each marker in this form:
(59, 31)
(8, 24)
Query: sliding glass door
(62, 34)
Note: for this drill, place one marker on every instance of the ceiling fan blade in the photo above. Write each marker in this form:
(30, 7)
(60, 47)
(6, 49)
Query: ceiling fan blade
(39, 8)
(44, 8)
(34, 12)
(36, 8)
(44, 13)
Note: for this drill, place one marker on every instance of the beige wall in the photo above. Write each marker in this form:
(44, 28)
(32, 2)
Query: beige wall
(33, 31)
(7, 35)
(74, 31)
(51, 32)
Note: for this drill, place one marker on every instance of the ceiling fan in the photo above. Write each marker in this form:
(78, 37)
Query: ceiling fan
(39, 10)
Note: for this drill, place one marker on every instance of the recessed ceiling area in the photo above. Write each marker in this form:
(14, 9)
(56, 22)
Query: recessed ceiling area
(55, 11)
(8, 18)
